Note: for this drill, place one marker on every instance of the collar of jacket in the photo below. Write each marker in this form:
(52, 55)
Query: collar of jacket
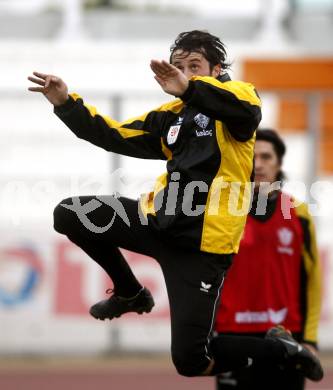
(224, 77)
(270, 206)
(188, 93)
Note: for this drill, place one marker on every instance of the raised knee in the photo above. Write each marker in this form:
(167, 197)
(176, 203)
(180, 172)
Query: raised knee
(189, 364)
(62, 216)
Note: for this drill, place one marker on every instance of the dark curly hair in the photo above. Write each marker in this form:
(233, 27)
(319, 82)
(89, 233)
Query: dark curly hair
(272, 136)
(202, 42)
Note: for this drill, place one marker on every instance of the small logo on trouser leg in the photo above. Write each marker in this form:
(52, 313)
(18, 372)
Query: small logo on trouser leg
(205, 287)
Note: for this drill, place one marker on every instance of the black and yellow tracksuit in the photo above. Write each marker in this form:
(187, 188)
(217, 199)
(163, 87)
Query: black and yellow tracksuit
(192, 224)
(214, 123)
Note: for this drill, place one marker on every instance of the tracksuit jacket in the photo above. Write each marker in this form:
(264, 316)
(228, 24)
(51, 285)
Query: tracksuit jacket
(207, 137)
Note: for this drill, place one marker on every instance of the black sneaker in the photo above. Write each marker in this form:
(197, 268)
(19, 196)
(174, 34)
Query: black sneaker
(115, 306)
(297, 355)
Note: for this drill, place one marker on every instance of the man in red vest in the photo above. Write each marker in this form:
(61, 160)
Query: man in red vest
(275, 278)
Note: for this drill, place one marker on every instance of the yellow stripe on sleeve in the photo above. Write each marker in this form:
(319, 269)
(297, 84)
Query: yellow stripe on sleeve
(313, 271)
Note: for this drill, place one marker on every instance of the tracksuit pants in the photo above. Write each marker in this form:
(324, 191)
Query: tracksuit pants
(193, 278)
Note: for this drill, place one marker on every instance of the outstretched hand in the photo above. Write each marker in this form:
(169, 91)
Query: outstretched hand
(171, 79)
(52, 87)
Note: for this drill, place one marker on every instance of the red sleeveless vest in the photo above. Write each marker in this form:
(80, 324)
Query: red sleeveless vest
(263, 286)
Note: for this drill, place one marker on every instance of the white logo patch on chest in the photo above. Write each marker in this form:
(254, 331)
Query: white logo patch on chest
(201, 120)
(173, 134)
(286, 237)
(174, 131)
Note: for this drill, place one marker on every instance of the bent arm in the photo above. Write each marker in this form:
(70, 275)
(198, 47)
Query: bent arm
(235, 103)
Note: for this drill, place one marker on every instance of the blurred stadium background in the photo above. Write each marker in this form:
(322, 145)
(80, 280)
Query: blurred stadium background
(102, 49)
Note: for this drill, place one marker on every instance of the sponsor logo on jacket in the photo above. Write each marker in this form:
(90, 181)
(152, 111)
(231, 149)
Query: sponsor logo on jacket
(201, 120)
(204, 133)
